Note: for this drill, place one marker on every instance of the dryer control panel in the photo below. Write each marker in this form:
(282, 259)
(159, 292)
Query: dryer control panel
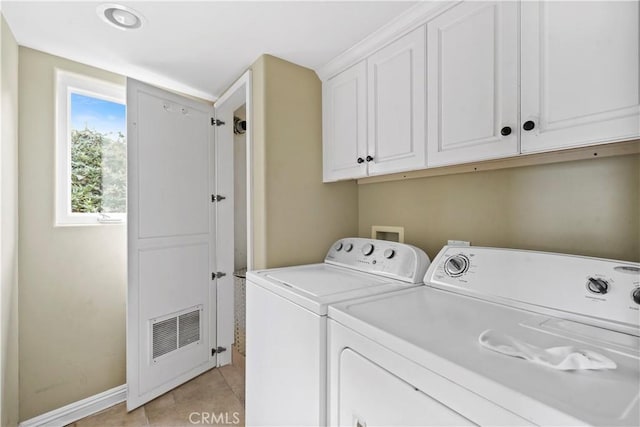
(391, 259)
(595, 288)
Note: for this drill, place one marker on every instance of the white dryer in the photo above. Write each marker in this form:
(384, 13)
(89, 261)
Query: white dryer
(286, 324)
(416, 357)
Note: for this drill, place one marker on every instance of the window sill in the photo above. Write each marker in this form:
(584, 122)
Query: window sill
(88, 224)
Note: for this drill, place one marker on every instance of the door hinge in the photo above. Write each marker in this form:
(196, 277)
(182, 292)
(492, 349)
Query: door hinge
(216, 122)
(217, 275)
(217, 350)
(217, 198)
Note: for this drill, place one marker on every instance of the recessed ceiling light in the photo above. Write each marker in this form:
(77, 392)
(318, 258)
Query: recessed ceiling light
(119, 16)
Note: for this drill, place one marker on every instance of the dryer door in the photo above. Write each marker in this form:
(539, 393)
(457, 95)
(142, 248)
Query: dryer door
(372, 396)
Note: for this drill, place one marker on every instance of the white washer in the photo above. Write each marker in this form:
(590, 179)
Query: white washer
(414, 358)
(286, 323)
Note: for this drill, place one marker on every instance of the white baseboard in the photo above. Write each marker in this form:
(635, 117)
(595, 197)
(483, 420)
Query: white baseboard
(80, 409)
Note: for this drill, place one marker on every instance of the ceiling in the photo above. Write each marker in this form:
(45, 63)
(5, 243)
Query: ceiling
(198, 48)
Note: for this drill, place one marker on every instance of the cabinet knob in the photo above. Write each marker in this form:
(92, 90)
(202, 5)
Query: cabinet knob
(360, 160)
(528, 125)
(369, 158)
(505, 131)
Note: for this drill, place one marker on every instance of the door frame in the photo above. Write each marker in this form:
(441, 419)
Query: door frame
(238, 94)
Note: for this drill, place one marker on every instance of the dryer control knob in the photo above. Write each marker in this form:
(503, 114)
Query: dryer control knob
(636, 295)
(367, 249)
(339, 246)
(597, 286)
(348, 247)
(389, 253)
(456, 265)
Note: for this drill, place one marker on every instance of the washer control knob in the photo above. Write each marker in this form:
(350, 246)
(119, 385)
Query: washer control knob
(636, 295)
(597, 286)
(339, 246)
(389, 253)
(367, 249)
(456, 265)
(348, 247)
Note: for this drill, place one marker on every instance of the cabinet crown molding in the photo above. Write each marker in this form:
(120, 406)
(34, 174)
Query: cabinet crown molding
(399, 26)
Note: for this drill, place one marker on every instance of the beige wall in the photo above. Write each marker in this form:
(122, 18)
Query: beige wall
(72, 279)
(9, 229)
(589, 207)
(296, 216)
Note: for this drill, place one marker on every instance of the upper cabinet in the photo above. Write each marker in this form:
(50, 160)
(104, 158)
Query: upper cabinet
(396, 114)
(472, 83)
(344, 123)
(374, 113)
(478, 80)
(579, 73)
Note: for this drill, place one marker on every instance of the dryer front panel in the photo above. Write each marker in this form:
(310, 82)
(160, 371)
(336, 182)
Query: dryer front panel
(372, 396)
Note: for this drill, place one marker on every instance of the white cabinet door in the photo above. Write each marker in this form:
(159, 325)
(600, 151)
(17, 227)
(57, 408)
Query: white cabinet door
(472, 83)
(396, 119)
(579, 73)
(344, 102)
(171, 250)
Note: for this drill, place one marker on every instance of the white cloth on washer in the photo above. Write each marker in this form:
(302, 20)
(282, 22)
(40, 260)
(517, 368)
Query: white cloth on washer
(563, 358)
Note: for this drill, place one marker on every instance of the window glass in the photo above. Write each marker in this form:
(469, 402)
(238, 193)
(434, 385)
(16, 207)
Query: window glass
(98, 155)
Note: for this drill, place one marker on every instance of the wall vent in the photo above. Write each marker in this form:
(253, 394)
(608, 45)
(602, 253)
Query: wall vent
(175, 331)
(165, 334)
(189, 328)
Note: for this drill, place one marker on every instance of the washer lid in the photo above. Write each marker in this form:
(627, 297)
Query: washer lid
(314, 286)
(322, 280)
(439, 330)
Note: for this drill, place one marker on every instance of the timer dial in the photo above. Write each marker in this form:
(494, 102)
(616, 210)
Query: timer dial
(456, 265)
(636, 295)
(597, 285)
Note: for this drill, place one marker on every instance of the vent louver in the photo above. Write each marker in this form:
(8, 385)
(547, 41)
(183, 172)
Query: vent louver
(175, 332)
(165, 334)
(189, 325)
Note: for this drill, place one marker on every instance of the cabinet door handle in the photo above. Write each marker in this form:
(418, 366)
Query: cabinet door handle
(505, 131)
(369, 158)
(360, 160)
(528, 125)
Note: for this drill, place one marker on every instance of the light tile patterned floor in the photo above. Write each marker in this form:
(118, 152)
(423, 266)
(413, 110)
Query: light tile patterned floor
(213, 398)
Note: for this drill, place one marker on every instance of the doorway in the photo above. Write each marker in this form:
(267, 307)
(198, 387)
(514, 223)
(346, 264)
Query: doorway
(189, 231)
(233, 139)
(240, 226)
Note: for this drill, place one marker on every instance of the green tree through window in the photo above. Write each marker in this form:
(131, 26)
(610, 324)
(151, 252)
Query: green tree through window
(98, 172)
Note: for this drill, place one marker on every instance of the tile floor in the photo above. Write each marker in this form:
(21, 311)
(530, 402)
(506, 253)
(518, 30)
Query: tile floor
(213, 398)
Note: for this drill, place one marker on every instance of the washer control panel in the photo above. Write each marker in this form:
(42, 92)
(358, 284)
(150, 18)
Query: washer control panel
(395, 260)
(593, 287)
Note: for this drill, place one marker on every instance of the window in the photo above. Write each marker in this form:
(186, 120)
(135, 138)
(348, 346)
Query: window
(91, 151)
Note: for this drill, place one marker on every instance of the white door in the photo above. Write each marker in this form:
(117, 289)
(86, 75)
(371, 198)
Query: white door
(472, 83)
(396, 115)
(171, 311)
(579, 73)
(344, 110)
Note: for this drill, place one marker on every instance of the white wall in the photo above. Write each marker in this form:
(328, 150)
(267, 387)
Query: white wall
(9, 228)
